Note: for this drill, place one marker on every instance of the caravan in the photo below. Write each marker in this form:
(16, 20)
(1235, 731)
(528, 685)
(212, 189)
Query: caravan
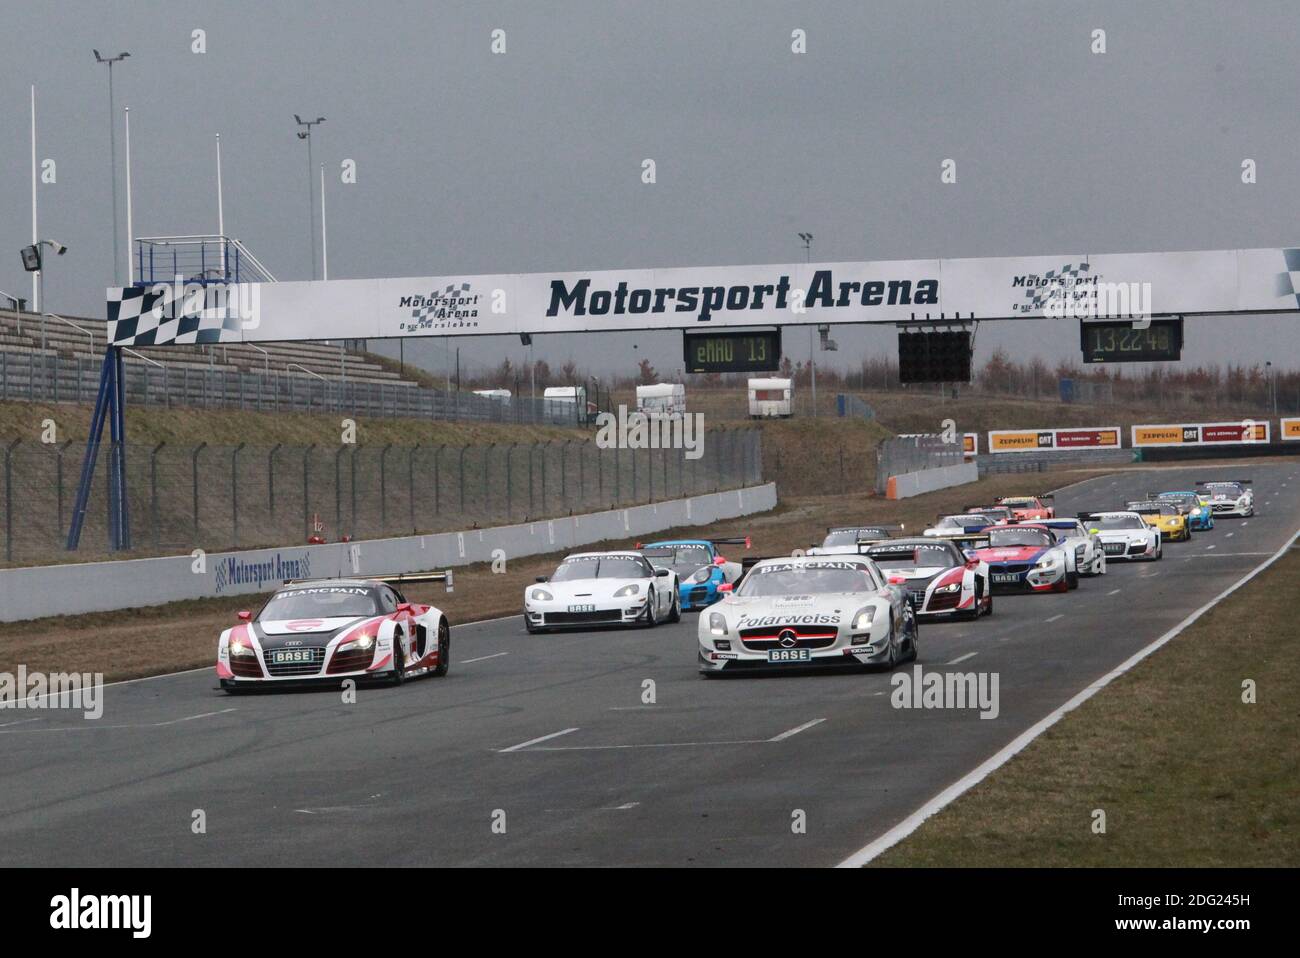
(661, 400)
(556, 397)
(771, 398)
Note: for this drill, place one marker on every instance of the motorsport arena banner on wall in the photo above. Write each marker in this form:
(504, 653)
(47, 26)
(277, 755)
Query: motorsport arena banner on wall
(1289, 429)
(1201, 434)
(1062, 286)
(1039, 440)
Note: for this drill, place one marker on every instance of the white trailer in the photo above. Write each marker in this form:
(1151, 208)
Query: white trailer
(500, 395)
(771, 398)
(571, 396)
(661, 399)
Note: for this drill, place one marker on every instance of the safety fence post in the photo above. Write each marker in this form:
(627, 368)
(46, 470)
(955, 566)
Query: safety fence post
(234, 494)
(194, 486)
(153, 495)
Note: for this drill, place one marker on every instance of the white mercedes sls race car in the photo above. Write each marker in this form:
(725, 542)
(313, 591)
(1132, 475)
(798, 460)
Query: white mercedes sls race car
(1232, 497)
(940, 578)
(327, 630)
(806, 612)
(1124, 535)
(602, 588)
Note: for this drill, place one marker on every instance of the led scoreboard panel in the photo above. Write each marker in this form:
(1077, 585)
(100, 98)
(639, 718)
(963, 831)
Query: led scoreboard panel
(732, 352)
(1120, 342)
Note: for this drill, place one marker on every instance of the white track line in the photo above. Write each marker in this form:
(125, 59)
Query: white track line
(790, 733)
(483, 658)
(968, 781)
(1055, 617)
(968, 655)
(1118, 591)
(534, 741)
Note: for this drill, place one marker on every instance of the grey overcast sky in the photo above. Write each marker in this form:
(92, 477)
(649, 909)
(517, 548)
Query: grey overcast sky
(470, 162)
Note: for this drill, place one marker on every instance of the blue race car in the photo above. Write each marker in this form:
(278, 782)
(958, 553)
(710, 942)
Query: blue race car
(1198, 512)
(705, 574)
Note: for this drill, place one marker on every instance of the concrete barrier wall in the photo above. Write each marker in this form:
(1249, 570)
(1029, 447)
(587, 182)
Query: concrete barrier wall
(928, 480)
(73, 589)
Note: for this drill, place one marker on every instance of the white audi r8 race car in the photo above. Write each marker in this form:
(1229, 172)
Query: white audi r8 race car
(808, 611)
(959, 525)
(1124, 535)
(1089, 555)
(602, 588)
(328, 630)
(1232, 497)
(843, 540)
(939, 577)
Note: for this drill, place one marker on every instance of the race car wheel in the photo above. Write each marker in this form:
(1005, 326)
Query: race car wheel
(988, 604)
(651, 620)
(675, 613)
(444, 649)
(398, 675)
(1072, 580)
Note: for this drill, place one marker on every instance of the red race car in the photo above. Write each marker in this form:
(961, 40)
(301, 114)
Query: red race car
(1029, 508)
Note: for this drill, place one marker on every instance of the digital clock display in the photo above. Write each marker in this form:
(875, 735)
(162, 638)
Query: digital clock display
(732, 352)
(1120, 342)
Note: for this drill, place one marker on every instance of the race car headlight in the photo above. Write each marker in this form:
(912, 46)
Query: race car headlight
(359, 644)
(717, 623)
(701, 575)
(1196, 511)
(540, 595)
(863, 618)
(950, 587)
(239, 647)
(1048, 562)
(627, 590)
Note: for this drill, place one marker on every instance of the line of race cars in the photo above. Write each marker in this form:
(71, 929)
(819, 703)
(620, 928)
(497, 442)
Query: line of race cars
(855, 599)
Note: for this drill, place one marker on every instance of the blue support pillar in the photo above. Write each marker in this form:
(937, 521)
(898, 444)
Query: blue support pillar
(109, 404)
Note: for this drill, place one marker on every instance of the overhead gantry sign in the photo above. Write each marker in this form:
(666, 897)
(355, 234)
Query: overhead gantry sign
(898, 291)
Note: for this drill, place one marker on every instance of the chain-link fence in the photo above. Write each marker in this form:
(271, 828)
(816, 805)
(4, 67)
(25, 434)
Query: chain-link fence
(912, 453)
(184, 497)
(51, 378)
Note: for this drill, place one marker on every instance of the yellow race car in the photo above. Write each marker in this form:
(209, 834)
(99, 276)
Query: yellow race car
(1165, 517)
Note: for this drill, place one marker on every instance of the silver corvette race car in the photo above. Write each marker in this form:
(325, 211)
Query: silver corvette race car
(808, 611)
(602, 588)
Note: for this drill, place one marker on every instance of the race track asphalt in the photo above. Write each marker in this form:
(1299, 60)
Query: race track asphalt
(420, 774)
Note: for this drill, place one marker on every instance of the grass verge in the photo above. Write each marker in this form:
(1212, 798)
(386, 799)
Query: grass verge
(1187, 774)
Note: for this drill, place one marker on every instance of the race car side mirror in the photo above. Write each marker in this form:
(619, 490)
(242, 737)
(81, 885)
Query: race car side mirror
(724, 587)
(543, 578)
(719, 560)
(403, 607)
(663, 572)
(244, 615)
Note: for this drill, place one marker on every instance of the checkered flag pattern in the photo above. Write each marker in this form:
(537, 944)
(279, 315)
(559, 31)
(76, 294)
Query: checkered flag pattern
(1288, 283)
(139, 316)
(438, 302)
(1057, 280)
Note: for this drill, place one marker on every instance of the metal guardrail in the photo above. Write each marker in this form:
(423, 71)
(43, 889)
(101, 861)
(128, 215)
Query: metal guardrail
(903, 454)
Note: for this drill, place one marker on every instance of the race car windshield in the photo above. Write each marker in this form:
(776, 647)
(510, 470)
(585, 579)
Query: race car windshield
(967, 520)
(1018, 537)
(681, 559)
(324, 602)
(1181, 499)
(921, 556)
(1020, 503)
(1162, 508)
(806, 580)
(599, 567)
(1224, 488)
(1117, 522)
